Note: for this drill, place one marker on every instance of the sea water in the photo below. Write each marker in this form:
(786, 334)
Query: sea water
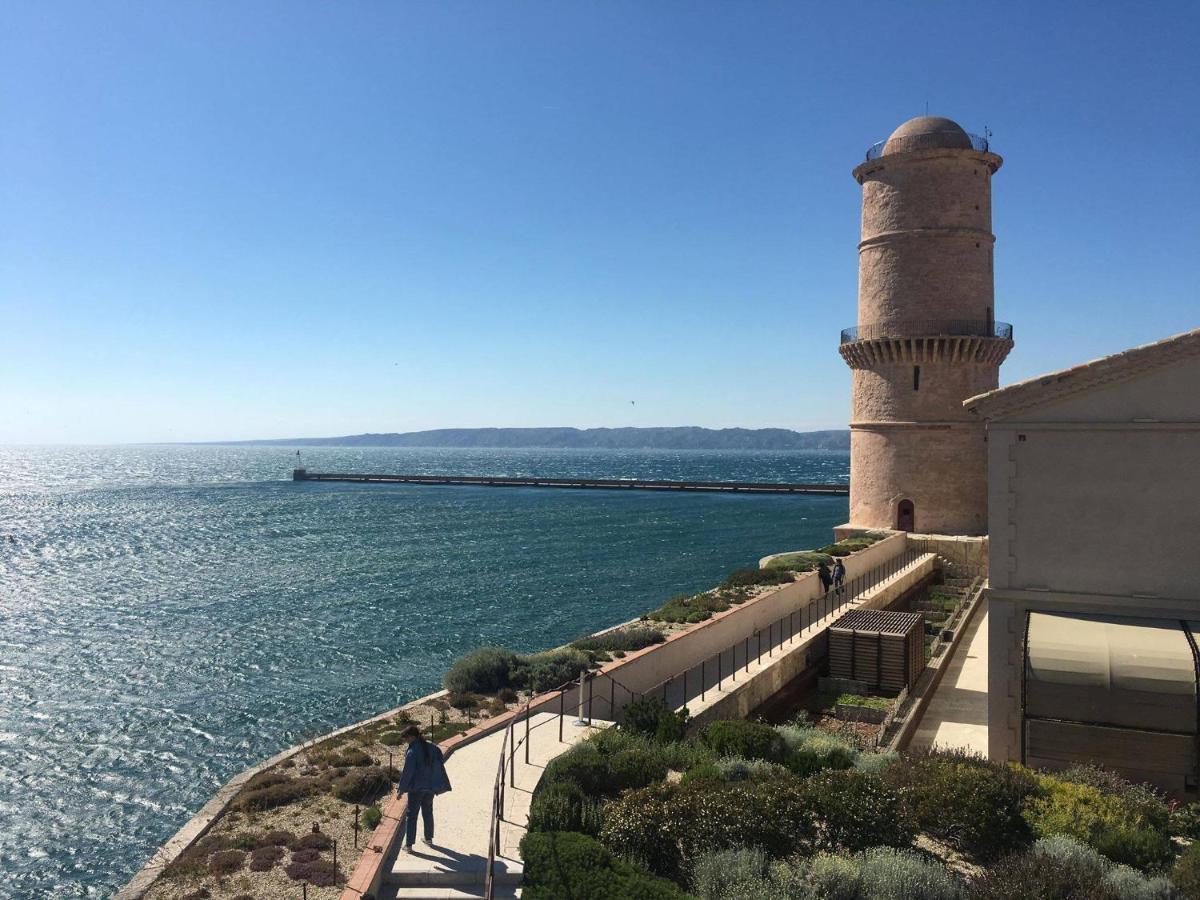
(171, 615)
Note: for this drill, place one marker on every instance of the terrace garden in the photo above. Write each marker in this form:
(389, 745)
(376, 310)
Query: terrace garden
(748, 811)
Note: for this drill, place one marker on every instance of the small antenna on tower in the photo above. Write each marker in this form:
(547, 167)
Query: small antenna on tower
(926, 107)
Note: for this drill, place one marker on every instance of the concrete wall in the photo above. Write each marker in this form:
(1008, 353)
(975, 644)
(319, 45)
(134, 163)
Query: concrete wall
(1091, 511)
(647, 668)
(738, 699)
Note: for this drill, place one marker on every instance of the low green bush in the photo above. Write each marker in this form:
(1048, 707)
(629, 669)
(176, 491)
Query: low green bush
(1061, 868)
(678, 756)
(860, 700)
(652, 717)
(439, 732)
(483, 671)
(1184, 821)
(737, 737)
(567, 866)
(881, 873)
(1185, 874)
(729, 874)
(809, 750)
(564, 807)
(363, 785)
(666, 827)
(799, 562)
(391, 739)
(546, 671)
(971, 803)
(744, 578)
(874, 763)
(623, 640)
(689, 609)
(371, 817)
(605, 774)
(857, 811)
(1125, 831)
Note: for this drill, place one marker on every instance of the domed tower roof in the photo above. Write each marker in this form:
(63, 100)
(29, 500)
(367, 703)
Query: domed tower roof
(927, 133)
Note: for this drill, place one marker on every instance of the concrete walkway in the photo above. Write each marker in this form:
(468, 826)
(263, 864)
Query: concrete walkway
(957, 713)
(455, 866)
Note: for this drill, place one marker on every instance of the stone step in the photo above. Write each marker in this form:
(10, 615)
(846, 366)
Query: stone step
(466, 892)
(437, 867)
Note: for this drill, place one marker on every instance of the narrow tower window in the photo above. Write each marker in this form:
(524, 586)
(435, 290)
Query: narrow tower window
(916, 378)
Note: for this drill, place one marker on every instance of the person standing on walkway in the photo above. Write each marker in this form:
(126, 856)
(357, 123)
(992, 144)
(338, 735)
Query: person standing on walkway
(826, 578)
(424, 776)
(839, 574)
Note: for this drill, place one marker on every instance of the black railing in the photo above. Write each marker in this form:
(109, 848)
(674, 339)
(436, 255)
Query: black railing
(928, 328)
(914, 143)
(609, 697)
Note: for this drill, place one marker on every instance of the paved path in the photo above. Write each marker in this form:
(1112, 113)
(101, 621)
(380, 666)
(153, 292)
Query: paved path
(957, 714)
(454, 867)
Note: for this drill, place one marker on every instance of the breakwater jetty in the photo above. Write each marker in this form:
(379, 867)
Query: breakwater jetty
(632, 484)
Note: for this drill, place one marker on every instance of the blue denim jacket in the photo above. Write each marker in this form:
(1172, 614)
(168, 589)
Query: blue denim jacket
(423, 771)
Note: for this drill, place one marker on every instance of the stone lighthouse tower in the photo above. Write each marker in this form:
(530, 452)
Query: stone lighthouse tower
(927, 338)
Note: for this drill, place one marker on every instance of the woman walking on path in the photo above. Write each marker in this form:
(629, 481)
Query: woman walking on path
(424, 775)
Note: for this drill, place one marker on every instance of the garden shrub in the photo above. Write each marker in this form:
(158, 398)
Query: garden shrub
(690, 609)
(263, 859)
(278, 792)
(484, 670)
(350, 758)
(622, 640)
(225, 862)
(568, 866)
(546, 671)
(737, 768)
(726, 874)
(652, 717)
(667, 826)
(881, 873)
(810, 750)
(967, 801)
(606, 774)
(564, 807)
(275, 838)
(705, 771)
(314, 840)
(1124, 831)
(1186, 873)
(1184, 821)
(361, 786)
(463, 701)
(316, 871)
(1062, 868)
(391, 739)
(506, 695)
(753, 577)
(874, 762)
(737, 737)
(799, 562)
(371, 817)
(857, 811)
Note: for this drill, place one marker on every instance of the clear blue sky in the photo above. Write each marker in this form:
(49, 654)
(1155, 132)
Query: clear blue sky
(251, 219)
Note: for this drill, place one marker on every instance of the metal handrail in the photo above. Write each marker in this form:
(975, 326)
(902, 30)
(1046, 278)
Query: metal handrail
(711, 673)
(928, 328)
(506, 770)
(978, 142)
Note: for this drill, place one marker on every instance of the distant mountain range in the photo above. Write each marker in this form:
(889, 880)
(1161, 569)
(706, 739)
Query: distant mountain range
(685, 438)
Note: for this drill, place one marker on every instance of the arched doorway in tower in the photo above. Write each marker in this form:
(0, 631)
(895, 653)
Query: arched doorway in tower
(906, 516)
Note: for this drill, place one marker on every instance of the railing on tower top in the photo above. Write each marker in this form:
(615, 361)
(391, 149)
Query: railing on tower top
(876, 150)
(928, 328)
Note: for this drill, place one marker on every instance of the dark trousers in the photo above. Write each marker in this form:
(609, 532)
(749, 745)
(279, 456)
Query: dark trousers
(419, 802)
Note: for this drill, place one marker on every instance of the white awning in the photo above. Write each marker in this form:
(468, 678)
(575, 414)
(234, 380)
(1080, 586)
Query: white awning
(1111, 670)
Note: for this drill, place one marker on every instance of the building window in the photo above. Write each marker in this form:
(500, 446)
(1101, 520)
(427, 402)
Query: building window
(916, 378)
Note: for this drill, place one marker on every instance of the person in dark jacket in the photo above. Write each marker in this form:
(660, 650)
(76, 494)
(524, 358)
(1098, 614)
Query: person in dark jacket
(826, 578)
(839, 574)
(424, 776)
